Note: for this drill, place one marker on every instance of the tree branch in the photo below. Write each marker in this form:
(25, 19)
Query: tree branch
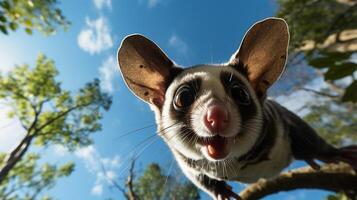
(320, 93)
(129, 181)
(331, 177)
(59, 116)
(113, 182)
(15, 156)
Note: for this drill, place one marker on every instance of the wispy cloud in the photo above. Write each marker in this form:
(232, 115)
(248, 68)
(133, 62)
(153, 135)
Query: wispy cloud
(95, 37)
(297, 100)
(60, 150)
(95, 163)
(108, 70)
(177, 43)
(152, 3)
(99, 4)
(97, 190)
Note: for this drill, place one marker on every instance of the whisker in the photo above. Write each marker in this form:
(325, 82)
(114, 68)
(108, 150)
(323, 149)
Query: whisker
(168, 173)
(133, 131)
(150, 140)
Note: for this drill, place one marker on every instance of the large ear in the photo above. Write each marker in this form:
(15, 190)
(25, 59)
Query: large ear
(145, 68)
(263, 53)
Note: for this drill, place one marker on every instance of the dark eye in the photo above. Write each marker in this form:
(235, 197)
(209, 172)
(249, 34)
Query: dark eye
(240, 94)
(184, 97)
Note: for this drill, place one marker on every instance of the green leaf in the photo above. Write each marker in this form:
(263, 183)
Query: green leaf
(28, 31)
(321, 62)
(28, 23)
(350, 93)
(2, 18)
(338, 56)
(5, 5)
(3, 29)
(340, 71)
(11, 114)
(14, 26)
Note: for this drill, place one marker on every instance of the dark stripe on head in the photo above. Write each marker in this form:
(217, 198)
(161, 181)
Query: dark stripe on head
(184, 115)
(239, 66)
(174, 72)
(246, 111)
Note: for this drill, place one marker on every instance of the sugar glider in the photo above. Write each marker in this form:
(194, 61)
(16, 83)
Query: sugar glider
(216, 118)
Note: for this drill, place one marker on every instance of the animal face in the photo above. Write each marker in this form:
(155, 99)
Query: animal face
(208, 111)
(213, 111)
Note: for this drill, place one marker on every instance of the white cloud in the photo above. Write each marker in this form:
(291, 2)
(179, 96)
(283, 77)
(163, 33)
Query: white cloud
(95, 37)
(60, 150)
(99, 4)
(95, 164)
(177, 43)
(112, 162)
(108, 70)
(152, 3)
(297, 100)
(97, 190)
(90, 156)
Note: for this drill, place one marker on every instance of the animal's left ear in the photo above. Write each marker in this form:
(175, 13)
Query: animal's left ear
(263, 52)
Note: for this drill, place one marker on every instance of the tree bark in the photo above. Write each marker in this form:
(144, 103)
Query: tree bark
(331, 177)
(15, 156)
(32, 131)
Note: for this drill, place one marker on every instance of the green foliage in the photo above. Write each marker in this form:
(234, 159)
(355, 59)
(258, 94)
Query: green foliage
(339, 196)
(41, 15)
(49, 115)
(315, 21)
(47, 111)
(320, 24)
(31, 179)
(350, 93)
(155, 184)
(338, 66)
(335, 122)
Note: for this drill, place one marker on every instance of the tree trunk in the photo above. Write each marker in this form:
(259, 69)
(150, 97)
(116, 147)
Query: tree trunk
(15, 156)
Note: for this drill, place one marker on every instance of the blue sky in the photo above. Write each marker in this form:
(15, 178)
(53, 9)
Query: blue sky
(190, 32)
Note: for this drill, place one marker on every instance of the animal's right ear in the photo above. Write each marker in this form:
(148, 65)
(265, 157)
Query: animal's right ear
(145, 68)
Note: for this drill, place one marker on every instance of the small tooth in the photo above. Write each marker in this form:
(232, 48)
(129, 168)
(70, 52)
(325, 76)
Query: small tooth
(211, 150)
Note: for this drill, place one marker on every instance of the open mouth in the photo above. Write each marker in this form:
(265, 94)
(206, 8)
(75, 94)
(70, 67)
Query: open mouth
(216, 147)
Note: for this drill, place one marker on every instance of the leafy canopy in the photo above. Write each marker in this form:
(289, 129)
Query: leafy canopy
(49, 115)
(47, 111)
(324, 33)
(155, 184)
(28, 180)
(42, 15)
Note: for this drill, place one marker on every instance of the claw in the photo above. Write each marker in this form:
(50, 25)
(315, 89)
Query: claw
(313, 164)
(226, 192)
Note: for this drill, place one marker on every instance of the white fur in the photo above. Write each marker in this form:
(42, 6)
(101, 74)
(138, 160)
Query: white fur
(212, 86)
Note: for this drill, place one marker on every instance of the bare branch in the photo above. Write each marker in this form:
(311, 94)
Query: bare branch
(331, 177)
(129, 181)
(320, 93)
(113, 182)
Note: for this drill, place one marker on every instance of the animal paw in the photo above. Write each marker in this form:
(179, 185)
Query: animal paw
(224, 191)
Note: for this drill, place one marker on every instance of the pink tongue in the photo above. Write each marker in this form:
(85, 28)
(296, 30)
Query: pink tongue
(216, 148)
